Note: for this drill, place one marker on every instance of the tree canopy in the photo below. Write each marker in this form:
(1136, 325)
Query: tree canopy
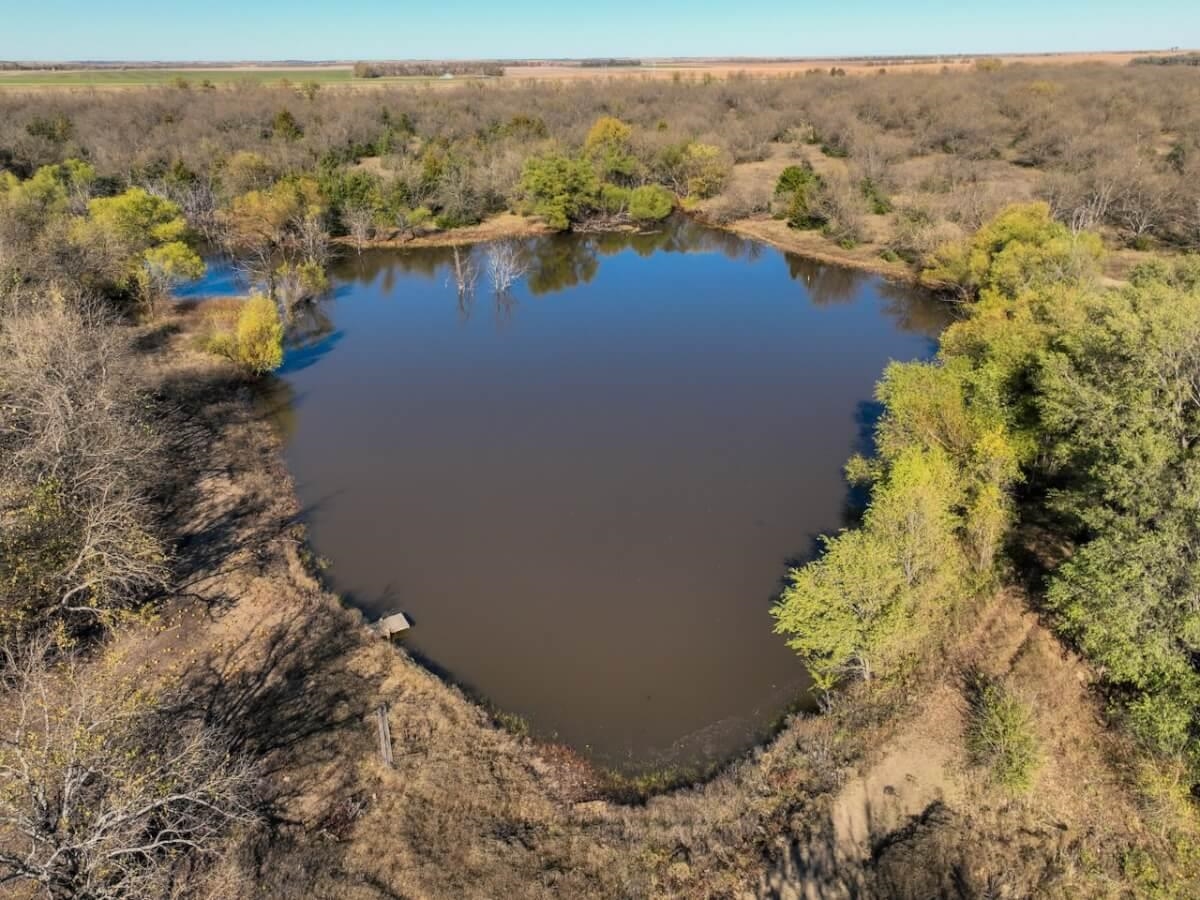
(1089, 397)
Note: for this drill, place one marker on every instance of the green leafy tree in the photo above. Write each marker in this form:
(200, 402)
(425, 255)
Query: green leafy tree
(1021, 249)
(51, 192)
(650, 203)
(875, 592)
(837, 610)
(1116, 395)
(559, 188)
(951, 443)
(149, 238)
(798, 188)
(277, 227)
(285, 127)
(168, 265)
(609, 146)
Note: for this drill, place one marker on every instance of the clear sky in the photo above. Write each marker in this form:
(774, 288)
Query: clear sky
(447, 29)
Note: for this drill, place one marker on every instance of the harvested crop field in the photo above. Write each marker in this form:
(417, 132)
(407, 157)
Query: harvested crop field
(342, 74)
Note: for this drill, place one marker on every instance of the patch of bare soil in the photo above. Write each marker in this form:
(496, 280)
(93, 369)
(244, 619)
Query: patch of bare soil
(502, 226)
(916, 819)
(814, 245)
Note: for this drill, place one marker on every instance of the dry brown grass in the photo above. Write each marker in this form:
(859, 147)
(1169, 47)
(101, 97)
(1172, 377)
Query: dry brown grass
(724, 68)
(502, 226)
(920, 182)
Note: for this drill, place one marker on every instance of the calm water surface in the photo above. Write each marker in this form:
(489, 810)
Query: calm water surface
(585, 495)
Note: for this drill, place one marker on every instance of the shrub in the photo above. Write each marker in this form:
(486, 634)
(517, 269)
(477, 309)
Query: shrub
(250, 335)
(614, 199)
(707, 169)
(285, 126)
(917, 235)
(559, 188)
(796, 178)
(798, 187)
(738, 204)
(78, 461)
(873, 193)
(840, 210)
(1021, 248)
(259, 335)
(650, 203)
(108, 787)
(1000, 734)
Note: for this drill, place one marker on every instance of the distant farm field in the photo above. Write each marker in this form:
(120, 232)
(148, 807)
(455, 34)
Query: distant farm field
(149, 77)
(342, 74)
(122, 77)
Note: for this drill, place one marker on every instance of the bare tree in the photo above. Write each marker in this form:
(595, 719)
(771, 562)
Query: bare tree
(842, 208)
(312, 241)
(106, 793)
(360, 222)
(1144, 203)
(465, 275)
(271, 233)
(506, 264)
(77, 464)
(196, 199)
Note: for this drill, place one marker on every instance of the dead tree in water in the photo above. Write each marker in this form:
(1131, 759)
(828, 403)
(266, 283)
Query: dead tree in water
(506, 265)
(465, 275)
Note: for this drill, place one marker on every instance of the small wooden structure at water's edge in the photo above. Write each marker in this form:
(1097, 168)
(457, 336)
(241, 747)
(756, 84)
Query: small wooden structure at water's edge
(392, 624)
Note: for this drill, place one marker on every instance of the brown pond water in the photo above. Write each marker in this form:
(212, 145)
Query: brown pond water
(585, 495)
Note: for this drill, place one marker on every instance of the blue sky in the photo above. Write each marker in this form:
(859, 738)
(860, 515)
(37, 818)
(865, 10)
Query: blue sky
(387, 29)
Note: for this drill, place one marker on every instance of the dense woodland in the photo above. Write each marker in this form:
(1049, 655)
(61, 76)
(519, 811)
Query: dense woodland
(1051, 443)
(1111, 148)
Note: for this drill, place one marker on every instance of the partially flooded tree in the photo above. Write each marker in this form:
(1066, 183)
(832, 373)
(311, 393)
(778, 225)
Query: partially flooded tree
(360, 223)
(104, 791)
(279, 239)
(506, 265)
(465, 274)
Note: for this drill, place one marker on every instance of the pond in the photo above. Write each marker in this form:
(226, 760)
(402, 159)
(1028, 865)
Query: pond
(585, 494)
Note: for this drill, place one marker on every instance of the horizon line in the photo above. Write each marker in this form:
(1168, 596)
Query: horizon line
(517, 60)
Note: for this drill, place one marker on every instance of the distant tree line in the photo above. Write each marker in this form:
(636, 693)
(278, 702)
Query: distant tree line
(1176, 59)
(11, 66)
(609, 63)
(427, 70)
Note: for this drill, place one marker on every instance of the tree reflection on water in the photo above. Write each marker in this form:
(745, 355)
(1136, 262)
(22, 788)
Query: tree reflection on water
(563, 261)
